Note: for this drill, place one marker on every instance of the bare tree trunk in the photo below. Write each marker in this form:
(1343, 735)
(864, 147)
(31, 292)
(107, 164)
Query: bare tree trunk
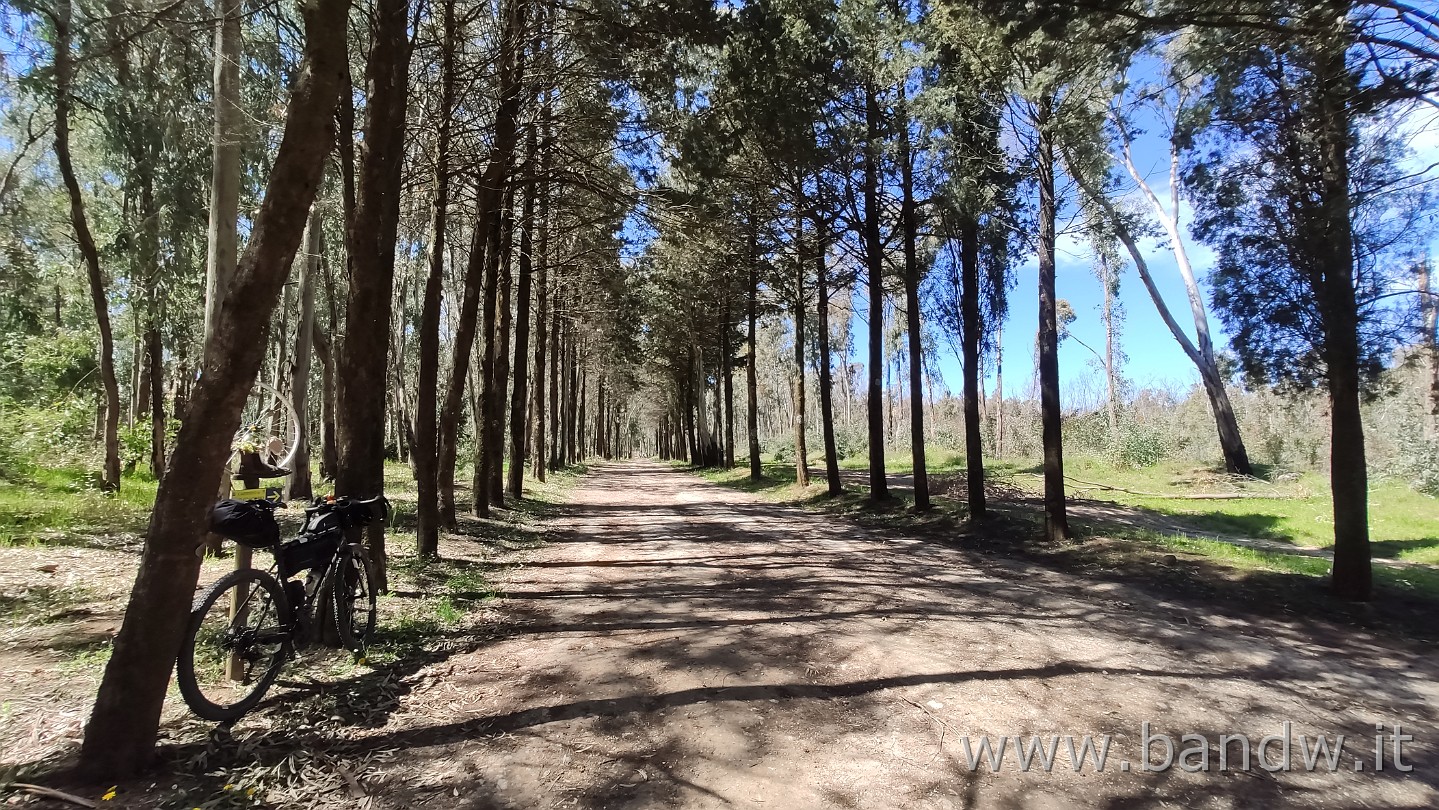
(495, 440)
(363, 357)
(973, 335)
(1109, 281)
(909, 216)
(121, 734)
(1000, 446)
(155, 358)
(298, 487)
(1236, 458)
(1352, 576)
(727, 370)
(756, 471)
(425, 450)
(1429, 344)
(874, 265)
(801, 449)
(110, 476)
(520, 396)
(557, 343)
(833, 485)
(1056, 522)
(542, 316)
(223, 234)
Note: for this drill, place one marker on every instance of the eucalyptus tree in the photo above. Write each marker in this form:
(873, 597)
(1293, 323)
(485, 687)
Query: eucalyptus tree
(121, 733)
(1091, 164)
(61, 20)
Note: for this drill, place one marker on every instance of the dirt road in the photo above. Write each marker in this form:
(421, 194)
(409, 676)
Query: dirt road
(685, 645)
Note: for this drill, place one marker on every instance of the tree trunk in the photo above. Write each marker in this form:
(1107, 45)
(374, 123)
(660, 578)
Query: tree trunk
(1339, 310)
(495, 441)
(121, 734)
(909, 216)
(298, 486)
(1056, 522)
(155, 359)
(1236, 458)
(874, 265)
(801, 449)
(756, 471)
(833, 486)
(557, 343)
(727, 370)
(521, 394)
(329, 453)
(1109, 279)
(425, 450)
(542, 315)
(222, 235)
(1000, 446)
(464, 342)
(1429, 345)
(110, 475)
(972, 337)
(363, 358)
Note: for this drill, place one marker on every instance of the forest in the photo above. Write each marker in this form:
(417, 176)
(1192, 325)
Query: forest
(481, 258)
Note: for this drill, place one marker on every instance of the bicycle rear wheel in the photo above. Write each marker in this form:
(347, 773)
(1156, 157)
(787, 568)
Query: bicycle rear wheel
(354, 595)
(227, 662)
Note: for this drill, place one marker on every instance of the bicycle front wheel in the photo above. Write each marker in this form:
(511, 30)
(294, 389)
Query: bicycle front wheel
(239, 638)
(354, 594)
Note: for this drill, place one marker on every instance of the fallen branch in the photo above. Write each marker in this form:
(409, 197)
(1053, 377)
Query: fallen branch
(51, 793)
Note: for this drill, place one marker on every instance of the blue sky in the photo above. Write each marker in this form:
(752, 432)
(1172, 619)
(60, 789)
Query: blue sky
(1154, 358)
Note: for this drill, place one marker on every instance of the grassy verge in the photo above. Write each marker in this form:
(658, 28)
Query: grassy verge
(1222, 574)
(64, 507)
(1404, 524)
(293, 750)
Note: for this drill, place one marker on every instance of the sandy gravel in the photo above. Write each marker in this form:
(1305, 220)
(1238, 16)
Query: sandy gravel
(684, 645)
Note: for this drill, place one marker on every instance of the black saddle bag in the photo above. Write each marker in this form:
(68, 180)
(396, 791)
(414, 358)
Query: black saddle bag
(246, 523)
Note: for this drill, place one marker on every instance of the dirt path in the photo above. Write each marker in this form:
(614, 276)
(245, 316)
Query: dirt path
(684, 645)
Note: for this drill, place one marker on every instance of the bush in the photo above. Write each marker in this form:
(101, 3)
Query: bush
(53, 436)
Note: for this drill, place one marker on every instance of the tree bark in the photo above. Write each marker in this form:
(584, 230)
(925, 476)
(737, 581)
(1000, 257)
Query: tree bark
(909, 216)
(1056, 522)
(1352, 576)
(542, 315)
(801, 448)
(121, 734)
(110, 475)
(425, 450)
(833, 486)
(155, 359)
(519, 398)
(756, 471)
(1429, 344)
(973, 333)
(874, 265)
(495, 441)
(298, 487)
(363, 361)
(223, 235)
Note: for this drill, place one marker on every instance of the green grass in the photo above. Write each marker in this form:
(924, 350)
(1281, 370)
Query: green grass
(63, 505)
(1403, 524)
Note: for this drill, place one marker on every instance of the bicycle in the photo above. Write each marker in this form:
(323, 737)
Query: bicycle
(236, 644)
